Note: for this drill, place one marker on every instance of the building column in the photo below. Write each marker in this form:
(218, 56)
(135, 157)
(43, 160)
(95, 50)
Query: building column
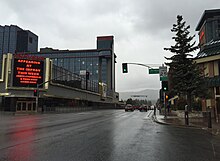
(100, 72)
(109, 74)
(215, 109)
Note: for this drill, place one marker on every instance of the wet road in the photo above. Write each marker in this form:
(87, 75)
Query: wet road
(108, 135)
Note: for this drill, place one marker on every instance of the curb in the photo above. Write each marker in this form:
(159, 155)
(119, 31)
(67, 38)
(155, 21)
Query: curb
(211, 131)
(165, 123)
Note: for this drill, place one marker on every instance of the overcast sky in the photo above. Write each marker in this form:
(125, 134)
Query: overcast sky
(141, 28)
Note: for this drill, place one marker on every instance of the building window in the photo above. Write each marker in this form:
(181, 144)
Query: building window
(30, 40)
(219, 68)
(217, 91)
(218, 29)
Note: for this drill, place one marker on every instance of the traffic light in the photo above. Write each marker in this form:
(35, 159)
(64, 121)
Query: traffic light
(166, 97)
(35, 92)
(87, 75)
(124, 68)
(161, 95)
(165, 86)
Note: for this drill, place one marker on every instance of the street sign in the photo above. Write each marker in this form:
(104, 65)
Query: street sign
(153, 71)
(163, 73)
(82, 72)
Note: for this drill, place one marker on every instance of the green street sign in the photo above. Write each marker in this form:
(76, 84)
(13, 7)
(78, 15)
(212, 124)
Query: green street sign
(164, 78)
(163, 73)
(153, 71)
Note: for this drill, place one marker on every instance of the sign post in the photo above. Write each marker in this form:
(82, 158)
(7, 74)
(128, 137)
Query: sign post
(163, 77)
(82, 72)
(163, 73)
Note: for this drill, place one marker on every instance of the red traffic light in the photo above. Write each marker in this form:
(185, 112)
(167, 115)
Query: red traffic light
(35, 92)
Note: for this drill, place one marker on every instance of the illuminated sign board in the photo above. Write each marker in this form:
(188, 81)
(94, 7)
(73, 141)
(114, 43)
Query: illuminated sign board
(27, 73)
(28, 56)
(202, 38)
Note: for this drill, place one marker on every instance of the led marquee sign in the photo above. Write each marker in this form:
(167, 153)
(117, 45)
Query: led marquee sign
(27, 73)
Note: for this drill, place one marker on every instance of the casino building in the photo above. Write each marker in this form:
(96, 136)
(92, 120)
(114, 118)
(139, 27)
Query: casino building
(209, 58)
(55, 80)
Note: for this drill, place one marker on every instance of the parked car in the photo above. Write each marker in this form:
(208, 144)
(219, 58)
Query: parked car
(129, 107)
(143, 108)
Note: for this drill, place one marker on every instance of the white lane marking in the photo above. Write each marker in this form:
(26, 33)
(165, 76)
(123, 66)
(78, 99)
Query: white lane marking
(147, 117)
(213, 149)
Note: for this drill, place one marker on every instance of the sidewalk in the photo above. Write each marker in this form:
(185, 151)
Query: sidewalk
(194, 122)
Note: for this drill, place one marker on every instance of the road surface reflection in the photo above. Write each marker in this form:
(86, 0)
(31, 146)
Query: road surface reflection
(23, 149)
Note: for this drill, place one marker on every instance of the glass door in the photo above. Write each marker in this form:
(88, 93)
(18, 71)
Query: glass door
(26, 106)
(18, 106)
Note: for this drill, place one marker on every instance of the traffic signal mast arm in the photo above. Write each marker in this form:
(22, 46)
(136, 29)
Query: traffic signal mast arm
(141, 65)
(151, 69)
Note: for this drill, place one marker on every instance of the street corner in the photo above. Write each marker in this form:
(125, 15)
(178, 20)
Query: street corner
(177, 122)
(173, 121)
(215, 132)
(160, 120)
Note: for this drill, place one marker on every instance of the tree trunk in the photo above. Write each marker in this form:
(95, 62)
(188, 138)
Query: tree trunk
(189, 101)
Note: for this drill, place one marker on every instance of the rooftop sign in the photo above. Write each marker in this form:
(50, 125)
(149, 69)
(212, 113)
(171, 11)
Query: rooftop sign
(28, 56)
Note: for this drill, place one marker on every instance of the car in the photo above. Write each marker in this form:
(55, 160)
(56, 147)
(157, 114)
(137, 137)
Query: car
(129, 107)
(151, 107)
(136, 107)
(143, 108)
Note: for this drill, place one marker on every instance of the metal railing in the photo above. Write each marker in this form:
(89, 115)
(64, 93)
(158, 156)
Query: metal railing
(65, 77)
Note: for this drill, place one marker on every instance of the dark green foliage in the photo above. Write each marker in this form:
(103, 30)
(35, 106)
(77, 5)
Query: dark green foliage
(180, 104)
(129, 101)
(187, 77)
(137, 102)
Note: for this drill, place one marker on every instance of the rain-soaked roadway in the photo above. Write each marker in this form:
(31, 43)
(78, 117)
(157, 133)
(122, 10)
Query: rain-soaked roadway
(108, 135)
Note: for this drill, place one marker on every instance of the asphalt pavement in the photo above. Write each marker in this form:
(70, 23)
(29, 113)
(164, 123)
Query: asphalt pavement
(104, 135)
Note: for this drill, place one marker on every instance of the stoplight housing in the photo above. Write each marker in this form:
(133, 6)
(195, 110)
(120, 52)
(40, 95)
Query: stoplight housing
(165, 86)
(87, 75)
(124, 68)
(161, 95)
(35, 92)
(166, 97)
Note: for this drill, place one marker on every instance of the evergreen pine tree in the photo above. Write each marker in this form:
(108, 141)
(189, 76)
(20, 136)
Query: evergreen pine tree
(186, 76)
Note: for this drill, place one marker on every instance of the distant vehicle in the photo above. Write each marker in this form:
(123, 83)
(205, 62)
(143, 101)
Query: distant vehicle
(143, 108)
(129, 107)
(151, 107)
(136, 107)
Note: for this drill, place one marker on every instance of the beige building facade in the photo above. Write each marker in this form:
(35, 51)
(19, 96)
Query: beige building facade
(209, 58)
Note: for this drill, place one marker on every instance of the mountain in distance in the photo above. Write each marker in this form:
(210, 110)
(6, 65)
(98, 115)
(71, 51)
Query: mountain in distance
(152, 94)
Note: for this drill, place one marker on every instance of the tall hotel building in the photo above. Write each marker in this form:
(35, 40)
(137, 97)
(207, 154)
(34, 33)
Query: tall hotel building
(14, 39)
(66, 78)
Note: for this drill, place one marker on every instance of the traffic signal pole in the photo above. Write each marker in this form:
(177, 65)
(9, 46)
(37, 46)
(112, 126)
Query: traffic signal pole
(165, 102)
(38, 85)
(37, 97)
(162, 71)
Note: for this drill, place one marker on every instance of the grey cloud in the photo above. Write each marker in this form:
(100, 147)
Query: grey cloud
(141, 27)
(156, 16)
